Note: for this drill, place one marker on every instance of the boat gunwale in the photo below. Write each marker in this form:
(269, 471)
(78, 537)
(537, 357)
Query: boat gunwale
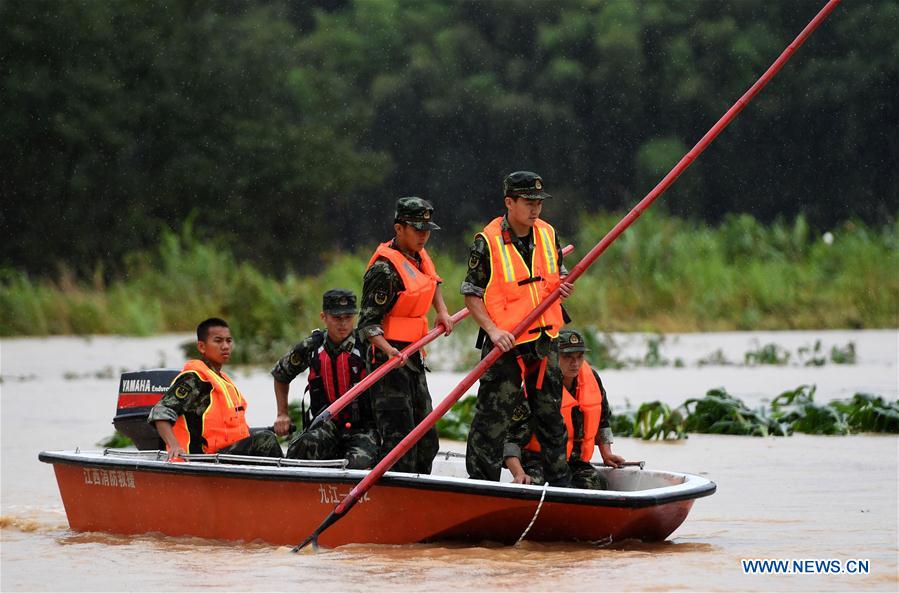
(693, 486)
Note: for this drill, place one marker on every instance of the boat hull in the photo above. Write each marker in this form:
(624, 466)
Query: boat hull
(284, 505)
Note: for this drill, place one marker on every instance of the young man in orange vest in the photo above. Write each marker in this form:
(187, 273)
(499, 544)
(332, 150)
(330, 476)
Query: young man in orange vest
(514, 264)
(203, 411)
(399, 288)
(335, 362)
(587, 415)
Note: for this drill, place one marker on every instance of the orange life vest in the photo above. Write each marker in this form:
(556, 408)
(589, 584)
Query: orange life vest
(408, 319)
(588, 397)
(224, 420)
(513, 291)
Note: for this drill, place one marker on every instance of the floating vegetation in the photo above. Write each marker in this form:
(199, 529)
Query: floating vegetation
(767, 354)
(790, 412)
(719, 412)
(844, 355)
(17, 378)
(716, 358)
(797, 411)
(456, 423)
(116, 441)
(653, 356)
(869, 413)
(105, 373)
(299, 414)
(812, 356)
(656, 420)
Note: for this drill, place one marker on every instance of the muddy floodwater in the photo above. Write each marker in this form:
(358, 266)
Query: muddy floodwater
(795, 498)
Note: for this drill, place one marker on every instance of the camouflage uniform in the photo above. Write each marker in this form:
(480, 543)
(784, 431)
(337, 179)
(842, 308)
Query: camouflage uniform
(583, 473)
(401, 399)
(500, 393)
(189, 396)
(352, 434)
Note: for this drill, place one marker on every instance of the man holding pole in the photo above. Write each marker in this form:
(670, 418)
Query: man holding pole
(335, 363)
(514, 264)
(400, 286)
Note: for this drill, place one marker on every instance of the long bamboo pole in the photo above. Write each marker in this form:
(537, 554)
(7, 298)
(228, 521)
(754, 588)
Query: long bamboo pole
(350, 499)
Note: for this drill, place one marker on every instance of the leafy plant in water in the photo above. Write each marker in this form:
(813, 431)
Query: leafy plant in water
(656, 420)
(456, 423)
(116, 441)
(870, 413)
(716, 358)
(299, 414)
(622, 424)
(653, 356)
(767, 354)
(844, 355)
(796, 411)
(721, 413)
(812, 355)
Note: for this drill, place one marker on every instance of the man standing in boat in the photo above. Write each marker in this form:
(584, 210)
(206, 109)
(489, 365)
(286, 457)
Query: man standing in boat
(587, 415)
(515, 263)
(400, 286)
(335, 362)
(203, 411)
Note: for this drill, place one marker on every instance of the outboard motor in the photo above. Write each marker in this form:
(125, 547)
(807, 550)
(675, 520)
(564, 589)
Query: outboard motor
(138, 393)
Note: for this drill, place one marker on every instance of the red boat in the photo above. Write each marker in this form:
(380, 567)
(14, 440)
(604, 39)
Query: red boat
(281, 501)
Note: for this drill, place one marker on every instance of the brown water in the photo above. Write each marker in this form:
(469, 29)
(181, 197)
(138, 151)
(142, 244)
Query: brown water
(798, 497)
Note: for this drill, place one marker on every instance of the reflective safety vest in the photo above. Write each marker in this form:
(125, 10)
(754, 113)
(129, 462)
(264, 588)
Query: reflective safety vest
(223, 421)
(408, 320)
(587, 397)
(329, 379)
(513, 290)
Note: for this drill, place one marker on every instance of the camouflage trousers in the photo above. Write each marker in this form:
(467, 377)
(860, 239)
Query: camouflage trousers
(358, 446)
(499, 395)
(261, 443)
(401, 400)
(583, 475)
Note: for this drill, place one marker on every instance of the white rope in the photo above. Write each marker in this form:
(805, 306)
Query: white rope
(537, 512)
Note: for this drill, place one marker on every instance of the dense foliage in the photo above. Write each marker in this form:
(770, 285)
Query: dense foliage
(719, 412)
(750, 277)
(287, 129)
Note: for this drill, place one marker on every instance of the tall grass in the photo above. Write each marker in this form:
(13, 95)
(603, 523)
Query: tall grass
(669, 274)
(663, 274)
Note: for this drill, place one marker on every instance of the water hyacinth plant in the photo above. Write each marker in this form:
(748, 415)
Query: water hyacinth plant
(721, 413)
(796, 411)
(869, 413)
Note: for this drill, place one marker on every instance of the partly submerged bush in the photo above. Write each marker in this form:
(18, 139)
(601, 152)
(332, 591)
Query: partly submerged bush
(869, 413)
(796, 411)
(656, 420)
(456, 423)
(767, 354)
(721, 413)
(116, 441)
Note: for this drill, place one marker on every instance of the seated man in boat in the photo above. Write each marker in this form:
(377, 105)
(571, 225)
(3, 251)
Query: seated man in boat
(400, 286)
(335, 363)
(587, 415)
(203, 411)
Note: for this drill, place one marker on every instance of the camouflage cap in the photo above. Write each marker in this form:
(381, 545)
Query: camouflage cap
(339, 301)
(571, 341)
(416, 212)
(524, 184)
